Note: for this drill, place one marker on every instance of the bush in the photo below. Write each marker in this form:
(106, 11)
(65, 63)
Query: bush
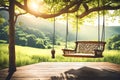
(49, 46)
(31, 40)
(114, 43)
(40, 43)
(22, 41)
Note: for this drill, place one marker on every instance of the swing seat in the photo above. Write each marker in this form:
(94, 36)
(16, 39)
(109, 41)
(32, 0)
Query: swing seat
(88, 49)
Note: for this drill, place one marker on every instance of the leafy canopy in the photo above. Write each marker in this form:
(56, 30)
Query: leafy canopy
(84, 7)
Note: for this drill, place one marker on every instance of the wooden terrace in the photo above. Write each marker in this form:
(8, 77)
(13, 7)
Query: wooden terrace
(64, 71)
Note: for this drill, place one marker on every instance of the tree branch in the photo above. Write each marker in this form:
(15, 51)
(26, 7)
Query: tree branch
(16, 16)
(72, 4)
(44, 15)
(85, 6)
(98, 9)
(68, 9)
(20, 5)
(75, 8)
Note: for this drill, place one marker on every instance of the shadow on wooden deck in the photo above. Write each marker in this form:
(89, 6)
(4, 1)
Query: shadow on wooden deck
(87, 73)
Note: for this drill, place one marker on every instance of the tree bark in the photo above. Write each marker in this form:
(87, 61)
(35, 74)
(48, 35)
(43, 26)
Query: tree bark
(12, 59)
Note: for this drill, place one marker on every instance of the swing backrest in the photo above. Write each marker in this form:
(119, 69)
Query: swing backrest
(89, 46)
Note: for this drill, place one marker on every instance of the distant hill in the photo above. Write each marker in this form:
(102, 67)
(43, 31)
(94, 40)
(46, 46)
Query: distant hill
(86, 32)
(91, 33)
(45, 26)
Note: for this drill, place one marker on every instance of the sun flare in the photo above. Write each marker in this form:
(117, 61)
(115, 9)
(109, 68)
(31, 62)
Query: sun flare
(35, 5)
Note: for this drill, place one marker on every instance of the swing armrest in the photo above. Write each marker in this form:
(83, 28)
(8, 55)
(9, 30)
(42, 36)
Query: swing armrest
(68, 51)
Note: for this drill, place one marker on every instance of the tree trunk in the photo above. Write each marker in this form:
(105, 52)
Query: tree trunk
(12, 60)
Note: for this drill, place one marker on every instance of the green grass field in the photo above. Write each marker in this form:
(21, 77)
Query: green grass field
(28, 55)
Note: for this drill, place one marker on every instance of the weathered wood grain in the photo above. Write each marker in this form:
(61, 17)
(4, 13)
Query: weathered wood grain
(65, 71)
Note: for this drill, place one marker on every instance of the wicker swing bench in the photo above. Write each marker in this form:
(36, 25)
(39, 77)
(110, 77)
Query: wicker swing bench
(89, 49)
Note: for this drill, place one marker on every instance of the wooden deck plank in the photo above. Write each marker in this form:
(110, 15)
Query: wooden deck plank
(65, 71)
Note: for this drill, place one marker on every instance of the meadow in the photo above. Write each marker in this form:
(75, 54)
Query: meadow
(29, 55)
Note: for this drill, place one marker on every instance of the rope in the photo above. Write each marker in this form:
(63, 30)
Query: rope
(103, 28)
(66, 31)
(54, 31)
(102, 38)
(98, 21)
(77, 26)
